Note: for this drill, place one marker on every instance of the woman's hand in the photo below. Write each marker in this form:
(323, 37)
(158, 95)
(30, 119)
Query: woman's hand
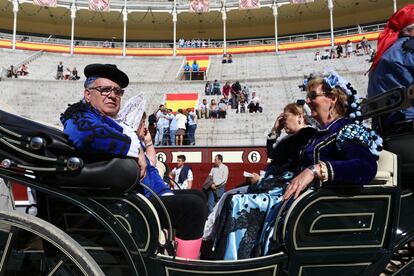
(255, 178)
(278, 126)
(298, 184)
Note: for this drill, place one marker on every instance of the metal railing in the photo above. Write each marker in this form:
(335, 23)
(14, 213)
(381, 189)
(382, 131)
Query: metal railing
(29, 59)
(159, 5)
(209, 43)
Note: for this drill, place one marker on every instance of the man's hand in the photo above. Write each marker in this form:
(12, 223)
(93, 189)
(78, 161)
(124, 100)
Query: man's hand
(298, 184)
(147, 137)
(213, 187)
(171, 184)
(142, 163)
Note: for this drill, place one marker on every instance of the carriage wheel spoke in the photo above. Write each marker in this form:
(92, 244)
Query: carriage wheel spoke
(60, 263)
(7, 251)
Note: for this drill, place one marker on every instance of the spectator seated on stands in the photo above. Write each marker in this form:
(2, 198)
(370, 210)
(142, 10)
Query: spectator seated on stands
(370, 50)
(195, 67)
(213, 110)
(75, 75)
(242, 105)
(202, 109)
(229, 58)
(254, 104)
(226, 101)
(222, 109)
(23, 71)
(187, 71)
(358, 50)
(11, 72)
(67, 75)
(216, 87)
(365, 45)
(246, 92)
(339, 51)
(317, 55)
(226, 90)
(332, 54)
(325, 54)
(208, 89)
(187, 67)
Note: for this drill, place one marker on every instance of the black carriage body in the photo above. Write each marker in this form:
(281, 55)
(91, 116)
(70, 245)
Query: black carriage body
(326, 231)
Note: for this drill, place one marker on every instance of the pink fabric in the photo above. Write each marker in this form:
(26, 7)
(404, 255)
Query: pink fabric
(398, 21)
(188, 249)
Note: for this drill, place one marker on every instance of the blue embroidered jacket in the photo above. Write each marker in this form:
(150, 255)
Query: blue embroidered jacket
(348, 163)
(95, 134)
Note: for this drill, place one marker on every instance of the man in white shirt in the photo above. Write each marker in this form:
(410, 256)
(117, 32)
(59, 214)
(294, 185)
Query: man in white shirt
(182, 175)
(181, 121)
(192, 126)
(163, 124)
(203, 109)
(254, 104)
(219, 174)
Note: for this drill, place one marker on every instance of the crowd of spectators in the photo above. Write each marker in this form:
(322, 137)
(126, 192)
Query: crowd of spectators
(227, 58)
(13, 73)
(66, 74)
(171, 129)
(231, 96)
(193, 72)
(194, 43)
(193, 68)
(347, 50)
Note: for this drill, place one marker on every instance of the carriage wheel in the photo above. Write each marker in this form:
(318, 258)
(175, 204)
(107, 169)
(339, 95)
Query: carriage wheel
(402, 261)
(31, 246)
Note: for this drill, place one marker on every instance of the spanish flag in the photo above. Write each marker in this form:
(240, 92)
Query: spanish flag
(182, 100)
(203, 61)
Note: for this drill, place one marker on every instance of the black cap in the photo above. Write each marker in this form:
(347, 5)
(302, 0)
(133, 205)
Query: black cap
(109, 71)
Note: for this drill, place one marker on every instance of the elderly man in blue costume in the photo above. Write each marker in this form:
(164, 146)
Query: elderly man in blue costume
(393, 65)
(93, 126)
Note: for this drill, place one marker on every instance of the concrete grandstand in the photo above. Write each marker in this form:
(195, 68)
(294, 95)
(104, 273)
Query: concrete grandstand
(275, 78)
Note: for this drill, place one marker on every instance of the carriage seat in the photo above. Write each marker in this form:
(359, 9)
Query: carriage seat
(49, 161)
(387, 169)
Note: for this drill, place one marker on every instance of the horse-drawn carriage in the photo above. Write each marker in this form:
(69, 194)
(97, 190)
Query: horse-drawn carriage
(90, 223)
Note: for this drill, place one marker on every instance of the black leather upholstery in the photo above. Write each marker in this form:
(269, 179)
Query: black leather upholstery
(56, 141)
(97, 174)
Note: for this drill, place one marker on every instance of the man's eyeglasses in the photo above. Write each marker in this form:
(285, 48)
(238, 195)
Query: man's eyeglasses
(313, 95)
(106, 90)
